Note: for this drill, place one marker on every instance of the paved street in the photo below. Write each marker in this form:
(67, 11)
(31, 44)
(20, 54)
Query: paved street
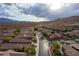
(43, 46)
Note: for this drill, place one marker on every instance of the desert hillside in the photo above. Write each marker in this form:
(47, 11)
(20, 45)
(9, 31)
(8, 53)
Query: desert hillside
(68, 21)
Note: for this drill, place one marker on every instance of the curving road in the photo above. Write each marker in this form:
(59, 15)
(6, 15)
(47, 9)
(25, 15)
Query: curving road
(43, 45)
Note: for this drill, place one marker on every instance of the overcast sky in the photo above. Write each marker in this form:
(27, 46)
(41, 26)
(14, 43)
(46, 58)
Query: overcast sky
(38, 12)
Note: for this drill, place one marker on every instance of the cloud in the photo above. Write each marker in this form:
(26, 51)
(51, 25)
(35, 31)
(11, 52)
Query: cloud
(42, 10)
(30, 18)
(14, 11)
(37, 11)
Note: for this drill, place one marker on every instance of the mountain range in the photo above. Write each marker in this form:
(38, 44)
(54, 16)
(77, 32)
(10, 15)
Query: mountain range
(67, 21)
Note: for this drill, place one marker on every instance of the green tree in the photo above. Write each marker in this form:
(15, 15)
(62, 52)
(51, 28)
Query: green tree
(56, 51)
(35, 29)
(7, 39)
(17, 32)
(30, 50)
(56, 45)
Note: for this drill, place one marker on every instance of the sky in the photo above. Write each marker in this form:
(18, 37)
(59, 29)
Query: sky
(38, 11)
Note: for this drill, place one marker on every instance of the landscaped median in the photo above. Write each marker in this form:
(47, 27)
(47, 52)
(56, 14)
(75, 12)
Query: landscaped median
(55, 49)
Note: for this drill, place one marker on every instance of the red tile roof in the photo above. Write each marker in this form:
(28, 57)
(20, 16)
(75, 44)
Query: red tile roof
(68, 50)
(7, 46)
(20, 40)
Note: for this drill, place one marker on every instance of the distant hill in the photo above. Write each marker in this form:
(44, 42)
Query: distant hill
(5, 22)
(10, 21)
(67, 21)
